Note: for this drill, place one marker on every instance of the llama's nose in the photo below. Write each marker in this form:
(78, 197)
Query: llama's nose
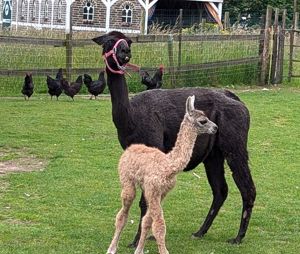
(215, 128)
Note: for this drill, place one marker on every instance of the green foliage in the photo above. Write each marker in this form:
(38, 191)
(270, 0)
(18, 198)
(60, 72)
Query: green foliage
(256, 8)
(70, 206)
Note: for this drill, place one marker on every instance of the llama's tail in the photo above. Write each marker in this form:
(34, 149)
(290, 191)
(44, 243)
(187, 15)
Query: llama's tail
(231, 95)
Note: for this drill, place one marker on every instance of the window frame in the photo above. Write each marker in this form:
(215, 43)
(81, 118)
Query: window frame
(127, 17)
(88, 15)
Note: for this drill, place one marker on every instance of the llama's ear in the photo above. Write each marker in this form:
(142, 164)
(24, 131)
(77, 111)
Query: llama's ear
(190, 104)
(102, 39)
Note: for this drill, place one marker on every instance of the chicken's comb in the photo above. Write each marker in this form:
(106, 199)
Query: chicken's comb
(161, 66)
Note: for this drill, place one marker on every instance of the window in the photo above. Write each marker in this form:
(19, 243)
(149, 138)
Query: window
(46, 10)
(126, 15)
(88, 12)
(59, 11)
(33, 13)
(23, 9)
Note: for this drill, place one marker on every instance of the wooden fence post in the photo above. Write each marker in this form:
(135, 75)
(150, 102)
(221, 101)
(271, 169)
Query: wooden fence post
(281, 47)
(292, 42)
(171, 59)
(275, 49)
(69, 50)
(265, 52)
(180, 39)
(226, 20)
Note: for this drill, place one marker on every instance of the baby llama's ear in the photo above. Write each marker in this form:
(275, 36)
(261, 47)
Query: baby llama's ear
(190, 104)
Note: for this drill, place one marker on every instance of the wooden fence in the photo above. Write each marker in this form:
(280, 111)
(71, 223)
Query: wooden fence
(69, 44)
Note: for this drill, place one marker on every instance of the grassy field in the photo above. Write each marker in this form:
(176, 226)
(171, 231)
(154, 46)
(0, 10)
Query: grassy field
(69, 203)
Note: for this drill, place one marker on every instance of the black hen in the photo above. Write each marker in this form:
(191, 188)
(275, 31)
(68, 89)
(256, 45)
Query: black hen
(152, 82)
(28, 86)
(95, 87)
(54, 85)
(73, 88)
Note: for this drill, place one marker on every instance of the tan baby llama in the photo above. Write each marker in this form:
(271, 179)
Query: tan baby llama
(155, 172)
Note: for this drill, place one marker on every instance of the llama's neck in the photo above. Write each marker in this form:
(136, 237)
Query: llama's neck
(121, 111)
(181, 153)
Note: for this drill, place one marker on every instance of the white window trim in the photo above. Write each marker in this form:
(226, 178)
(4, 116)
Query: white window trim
(46, 10)
(88, 13)
(33, 11)
(126, 15)
(59, 10)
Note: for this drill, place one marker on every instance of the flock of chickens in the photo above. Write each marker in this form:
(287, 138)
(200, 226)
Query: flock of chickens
(58, 85)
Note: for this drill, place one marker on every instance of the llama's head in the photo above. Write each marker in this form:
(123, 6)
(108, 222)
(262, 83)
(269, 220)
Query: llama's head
(198, 118)
(116, 49)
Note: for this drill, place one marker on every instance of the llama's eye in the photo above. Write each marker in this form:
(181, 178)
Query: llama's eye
(203, 122)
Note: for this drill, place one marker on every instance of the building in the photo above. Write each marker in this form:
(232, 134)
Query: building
(128, 16)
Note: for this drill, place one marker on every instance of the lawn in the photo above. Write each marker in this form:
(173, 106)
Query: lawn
(68, 204)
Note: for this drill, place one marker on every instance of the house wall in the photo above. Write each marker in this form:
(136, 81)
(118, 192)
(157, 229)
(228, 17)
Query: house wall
(25, 18)
(116, 15)
(99, 14)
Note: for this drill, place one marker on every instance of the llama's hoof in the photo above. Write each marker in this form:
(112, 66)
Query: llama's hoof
(198, 234)
(236, 240)
(111, 250)
(139, 251)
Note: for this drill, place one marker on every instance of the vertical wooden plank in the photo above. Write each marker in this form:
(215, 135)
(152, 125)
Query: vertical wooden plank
(292, 42)
(171, 59)
(275, 47)
(281, 48)
(69, 49)
(226, 20)
(265, 55)
(180, 38)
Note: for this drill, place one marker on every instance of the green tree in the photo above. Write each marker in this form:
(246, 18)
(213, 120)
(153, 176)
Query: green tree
(256, 8)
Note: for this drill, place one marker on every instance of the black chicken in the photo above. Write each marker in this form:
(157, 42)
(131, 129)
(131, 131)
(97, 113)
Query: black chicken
(54, 85)
(28, 86)
(73, 88)
(152, 82)
(95, 87)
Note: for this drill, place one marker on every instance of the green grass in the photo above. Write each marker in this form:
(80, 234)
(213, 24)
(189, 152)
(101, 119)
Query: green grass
(70, 206)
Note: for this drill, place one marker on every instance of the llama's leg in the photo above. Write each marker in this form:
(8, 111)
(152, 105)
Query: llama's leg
(214, 166)
(158, 225)
(243, 179)
(143, 207)
(146, 226)
(128, 195)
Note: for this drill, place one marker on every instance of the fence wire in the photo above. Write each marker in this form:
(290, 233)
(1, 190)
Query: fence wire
(206, 60)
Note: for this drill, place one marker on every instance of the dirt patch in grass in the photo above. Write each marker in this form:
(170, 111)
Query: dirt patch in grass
(16, 161)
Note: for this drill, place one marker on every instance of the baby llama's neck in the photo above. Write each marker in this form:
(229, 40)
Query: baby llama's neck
(181, 153)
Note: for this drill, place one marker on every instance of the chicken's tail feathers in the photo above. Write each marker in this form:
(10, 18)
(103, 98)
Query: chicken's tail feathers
(87, 80)
(79, 79)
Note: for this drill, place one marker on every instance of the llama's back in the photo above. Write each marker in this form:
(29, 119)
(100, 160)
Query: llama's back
(140, 163)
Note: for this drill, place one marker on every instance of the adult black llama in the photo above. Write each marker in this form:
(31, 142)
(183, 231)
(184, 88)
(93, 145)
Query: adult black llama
(153, 118)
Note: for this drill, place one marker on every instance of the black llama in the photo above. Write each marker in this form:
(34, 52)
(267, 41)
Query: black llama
(153, 118)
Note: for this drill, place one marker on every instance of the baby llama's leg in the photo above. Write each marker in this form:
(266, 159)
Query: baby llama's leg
(127, 195)
(158, 225)
(146, 226)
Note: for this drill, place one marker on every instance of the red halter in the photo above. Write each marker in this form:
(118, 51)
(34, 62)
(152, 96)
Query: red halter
(112, 52)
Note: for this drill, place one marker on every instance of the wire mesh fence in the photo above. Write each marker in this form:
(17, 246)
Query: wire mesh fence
(206, 60)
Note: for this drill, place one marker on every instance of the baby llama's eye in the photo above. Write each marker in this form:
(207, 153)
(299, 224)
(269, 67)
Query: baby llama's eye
(203, 122)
